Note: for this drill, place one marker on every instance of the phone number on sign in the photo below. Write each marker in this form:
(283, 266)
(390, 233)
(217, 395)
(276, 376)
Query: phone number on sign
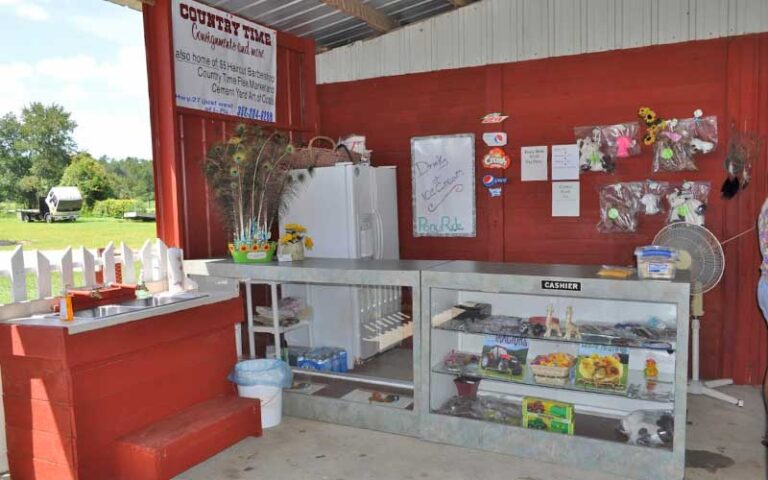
(255, 114)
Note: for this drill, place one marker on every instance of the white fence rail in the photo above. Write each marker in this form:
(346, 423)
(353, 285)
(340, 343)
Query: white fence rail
(17, 265)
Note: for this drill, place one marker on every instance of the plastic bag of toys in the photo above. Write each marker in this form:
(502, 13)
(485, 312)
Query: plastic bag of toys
(688, 203)
(619, 206)
(592, 156)
(621, 140)
(701, 132)
(652, 197)
(671, 150)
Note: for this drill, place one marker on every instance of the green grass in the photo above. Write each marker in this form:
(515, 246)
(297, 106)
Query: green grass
(89, 232)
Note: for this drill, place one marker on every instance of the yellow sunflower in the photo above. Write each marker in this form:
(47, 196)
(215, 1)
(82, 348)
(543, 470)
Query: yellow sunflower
(243, 248)
(288, 237)
(309, 243)
(295, 227)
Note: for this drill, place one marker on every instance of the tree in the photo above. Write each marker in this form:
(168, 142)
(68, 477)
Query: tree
(35, 148)
(135, 177)
(90, 176)
(46, 138)
(13, 165)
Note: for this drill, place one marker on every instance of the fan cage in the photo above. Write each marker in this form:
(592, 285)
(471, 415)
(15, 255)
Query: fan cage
(707, 258)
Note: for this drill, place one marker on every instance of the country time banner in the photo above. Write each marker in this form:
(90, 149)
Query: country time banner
(223, 64)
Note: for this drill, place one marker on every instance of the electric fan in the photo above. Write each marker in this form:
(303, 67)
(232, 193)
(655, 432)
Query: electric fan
(701, 254)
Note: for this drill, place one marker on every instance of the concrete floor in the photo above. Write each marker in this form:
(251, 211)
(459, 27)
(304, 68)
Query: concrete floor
(723, 443)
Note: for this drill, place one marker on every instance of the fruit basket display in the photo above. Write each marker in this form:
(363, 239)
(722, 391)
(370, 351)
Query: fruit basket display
(553, 368)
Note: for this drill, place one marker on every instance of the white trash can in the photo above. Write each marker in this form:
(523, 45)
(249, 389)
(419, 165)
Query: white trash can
(271, 402)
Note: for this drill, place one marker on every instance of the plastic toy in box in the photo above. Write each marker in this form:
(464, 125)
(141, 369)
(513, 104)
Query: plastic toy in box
(548, 408)
(603, 367)
(542, 422)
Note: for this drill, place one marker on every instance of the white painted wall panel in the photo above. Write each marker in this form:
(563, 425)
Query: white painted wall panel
(500, 31)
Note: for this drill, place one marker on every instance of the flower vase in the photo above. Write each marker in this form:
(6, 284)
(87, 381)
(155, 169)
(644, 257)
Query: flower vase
(293, 249)
(252, 252)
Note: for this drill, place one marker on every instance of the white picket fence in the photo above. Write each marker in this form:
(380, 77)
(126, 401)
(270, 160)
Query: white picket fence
(17, 264)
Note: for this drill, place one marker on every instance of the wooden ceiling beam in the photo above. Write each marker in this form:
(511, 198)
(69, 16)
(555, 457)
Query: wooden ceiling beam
(134, 4)
(459, 3)
(377, 20)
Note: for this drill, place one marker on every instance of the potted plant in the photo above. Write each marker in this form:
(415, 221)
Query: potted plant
(249, 176)
(294, 241)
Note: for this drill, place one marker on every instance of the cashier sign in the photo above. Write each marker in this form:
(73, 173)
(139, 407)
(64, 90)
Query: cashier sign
(223, 63)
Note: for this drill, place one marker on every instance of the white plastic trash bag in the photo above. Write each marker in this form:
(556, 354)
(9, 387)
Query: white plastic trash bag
(271, 373)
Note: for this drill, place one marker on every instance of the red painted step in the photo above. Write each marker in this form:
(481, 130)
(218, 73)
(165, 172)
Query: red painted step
(176, 443)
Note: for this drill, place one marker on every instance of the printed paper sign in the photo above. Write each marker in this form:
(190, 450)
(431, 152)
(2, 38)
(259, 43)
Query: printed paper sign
(533, 164)
(565, 162)
(565, 199)
(223, 64)
(443, 175)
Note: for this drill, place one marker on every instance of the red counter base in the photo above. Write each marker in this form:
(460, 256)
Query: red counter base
(69, 399)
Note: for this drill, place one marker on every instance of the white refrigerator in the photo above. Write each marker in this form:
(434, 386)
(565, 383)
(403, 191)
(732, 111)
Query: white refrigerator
(350, 211)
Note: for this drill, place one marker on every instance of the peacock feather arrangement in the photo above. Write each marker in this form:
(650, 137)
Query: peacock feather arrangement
(249, 175)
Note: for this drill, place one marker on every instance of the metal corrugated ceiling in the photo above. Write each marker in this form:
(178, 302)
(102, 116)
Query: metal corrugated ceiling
(328, 26)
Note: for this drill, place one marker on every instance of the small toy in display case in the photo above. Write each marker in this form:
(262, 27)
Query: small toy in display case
(460, 361)
(553, 368)
(651, 370)
(688, 203)
(473, 311)
(650, 428)
(571, 329)
(619, 206)
(552, 326)
(535, 326)
(503, 357)
(550, 408)
(592, 156)
(483, 407)
(621, 139)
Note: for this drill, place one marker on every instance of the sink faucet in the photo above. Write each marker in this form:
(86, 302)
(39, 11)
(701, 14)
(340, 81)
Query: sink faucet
(95, 294)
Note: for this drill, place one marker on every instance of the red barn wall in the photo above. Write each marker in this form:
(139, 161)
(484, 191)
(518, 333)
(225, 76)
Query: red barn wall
(186, 214)
(545, 100)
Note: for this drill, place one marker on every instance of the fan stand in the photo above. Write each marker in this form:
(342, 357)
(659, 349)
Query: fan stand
(696, 386)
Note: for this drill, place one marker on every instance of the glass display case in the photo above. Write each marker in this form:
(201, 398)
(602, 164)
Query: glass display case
(556, 363)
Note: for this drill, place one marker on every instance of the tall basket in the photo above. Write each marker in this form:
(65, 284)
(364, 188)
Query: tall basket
(314, 156)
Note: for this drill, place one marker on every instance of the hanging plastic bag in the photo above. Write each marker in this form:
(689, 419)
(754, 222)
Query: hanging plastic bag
(621, 140)
(652, 197)
(701, 132)
(273, 373)
(592, 156)
(671, 150)
(688, 203)
(619, 206)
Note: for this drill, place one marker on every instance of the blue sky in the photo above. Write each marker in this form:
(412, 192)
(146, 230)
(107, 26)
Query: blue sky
(86, 55)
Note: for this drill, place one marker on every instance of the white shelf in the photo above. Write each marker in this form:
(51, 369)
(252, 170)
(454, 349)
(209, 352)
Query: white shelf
(281, 330)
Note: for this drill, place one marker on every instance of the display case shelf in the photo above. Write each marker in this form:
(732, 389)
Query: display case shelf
(637, 387)
(661, 344)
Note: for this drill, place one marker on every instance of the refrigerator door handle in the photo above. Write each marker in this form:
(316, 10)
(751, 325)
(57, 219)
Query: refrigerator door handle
(379, 239)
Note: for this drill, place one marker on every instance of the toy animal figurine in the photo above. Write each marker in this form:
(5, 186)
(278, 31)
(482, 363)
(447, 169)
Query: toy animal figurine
(551, 323)
(698, 145)
(648, 428)
(571, 329)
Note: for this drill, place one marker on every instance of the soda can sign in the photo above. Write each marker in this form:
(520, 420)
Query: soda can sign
(495, 117)
(496, 158)
(495, 191)
(492, 181)
(495, 139)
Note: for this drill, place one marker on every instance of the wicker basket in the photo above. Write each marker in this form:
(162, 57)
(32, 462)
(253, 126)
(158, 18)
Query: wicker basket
(547, 371)
(314, 156)
(556, 381)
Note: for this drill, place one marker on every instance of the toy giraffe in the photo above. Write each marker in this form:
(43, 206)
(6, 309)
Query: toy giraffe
(571, 329)
(550, 323)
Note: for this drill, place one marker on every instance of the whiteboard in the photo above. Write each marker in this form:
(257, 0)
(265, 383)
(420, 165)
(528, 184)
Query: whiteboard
(443, 176)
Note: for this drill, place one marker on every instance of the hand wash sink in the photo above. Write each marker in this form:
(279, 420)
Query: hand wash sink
(160, 301)
(103, 311)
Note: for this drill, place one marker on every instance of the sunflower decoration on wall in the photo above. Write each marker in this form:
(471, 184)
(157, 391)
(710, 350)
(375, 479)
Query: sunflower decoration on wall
(249, 176)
